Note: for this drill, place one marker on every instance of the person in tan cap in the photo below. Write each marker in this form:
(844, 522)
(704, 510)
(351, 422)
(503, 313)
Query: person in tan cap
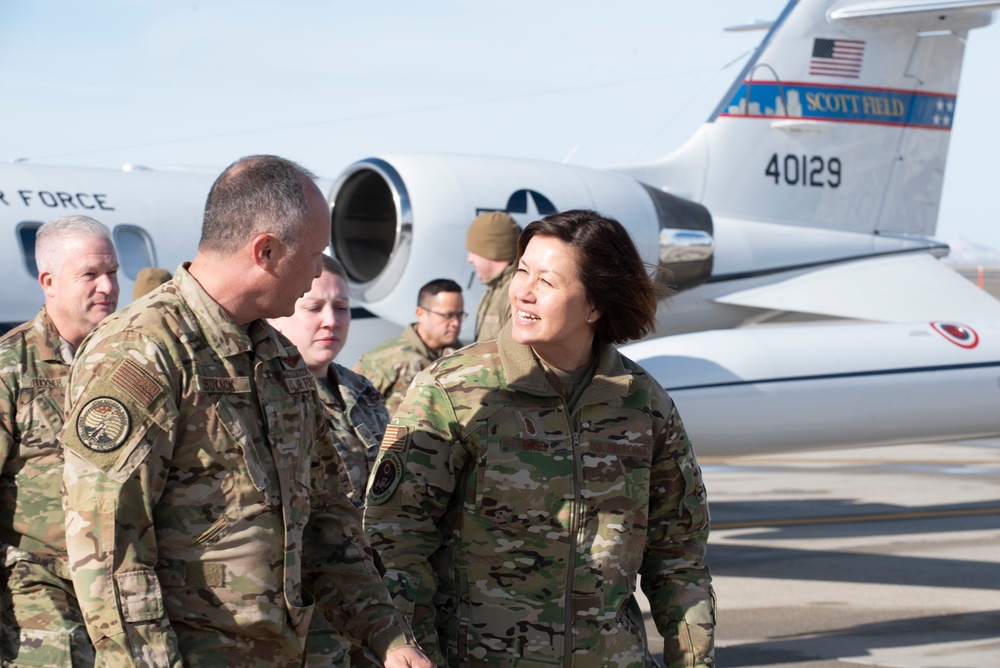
(148, 279)
(492, 246)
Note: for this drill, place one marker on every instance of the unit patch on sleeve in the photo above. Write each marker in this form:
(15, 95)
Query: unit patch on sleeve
(385, 479)
(103, 424)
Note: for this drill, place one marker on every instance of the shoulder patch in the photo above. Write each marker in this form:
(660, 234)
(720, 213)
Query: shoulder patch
(103, 424)
(395, 438)
(132, 378)
(385, 479)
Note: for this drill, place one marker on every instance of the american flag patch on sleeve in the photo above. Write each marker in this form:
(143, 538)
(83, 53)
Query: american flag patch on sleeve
(395, 438)
(139, 385)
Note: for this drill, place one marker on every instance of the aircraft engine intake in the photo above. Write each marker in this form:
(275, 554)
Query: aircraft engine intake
(395, 219)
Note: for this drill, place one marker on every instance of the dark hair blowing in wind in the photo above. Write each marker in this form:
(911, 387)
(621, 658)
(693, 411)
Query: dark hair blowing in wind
(612, 272)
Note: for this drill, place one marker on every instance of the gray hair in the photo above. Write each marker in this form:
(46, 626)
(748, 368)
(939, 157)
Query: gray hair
(50, 237)
(254, 195)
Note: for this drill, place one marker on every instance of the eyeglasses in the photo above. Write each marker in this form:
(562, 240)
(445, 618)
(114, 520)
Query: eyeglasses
(448, 316)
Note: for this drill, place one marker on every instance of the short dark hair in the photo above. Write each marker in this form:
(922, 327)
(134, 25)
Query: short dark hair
(432, 288)
(613, 274)
(256, 194)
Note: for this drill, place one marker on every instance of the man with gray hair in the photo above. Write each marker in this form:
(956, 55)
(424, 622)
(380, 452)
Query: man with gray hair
(77, 269)
(204, 516)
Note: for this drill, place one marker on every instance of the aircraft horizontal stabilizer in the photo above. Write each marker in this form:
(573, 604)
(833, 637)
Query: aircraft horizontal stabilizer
(905, 288)
(900, 9)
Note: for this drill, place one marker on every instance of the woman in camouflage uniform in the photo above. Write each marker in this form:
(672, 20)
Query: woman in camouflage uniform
(319, 328)
(526, 483)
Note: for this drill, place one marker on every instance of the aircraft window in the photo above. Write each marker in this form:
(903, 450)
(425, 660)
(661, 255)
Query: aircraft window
(135, 249)
(26, 232)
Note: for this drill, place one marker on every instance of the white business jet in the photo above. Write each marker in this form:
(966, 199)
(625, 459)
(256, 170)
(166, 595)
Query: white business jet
(797, 224)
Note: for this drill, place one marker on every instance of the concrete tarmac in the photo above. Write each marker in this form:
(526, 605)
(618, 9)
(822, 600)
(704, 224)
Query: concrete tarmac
(883, 557)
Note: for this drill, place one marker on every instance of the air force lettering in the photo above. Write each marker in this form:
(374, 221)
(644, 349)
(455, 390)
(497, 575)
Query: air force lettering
(71, 201)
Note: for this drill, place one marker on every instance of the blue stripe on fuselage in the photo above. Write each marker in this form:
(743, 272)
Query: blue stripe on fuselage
(842, 103)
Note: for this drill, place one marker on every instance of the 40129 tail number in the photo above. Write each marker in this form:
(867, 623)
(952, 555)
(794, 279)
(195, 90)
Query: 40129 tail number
(808, 171)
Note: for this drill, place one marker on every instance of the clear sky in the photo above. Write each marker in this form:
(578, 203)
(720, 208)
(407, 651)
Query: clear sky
(202, 82)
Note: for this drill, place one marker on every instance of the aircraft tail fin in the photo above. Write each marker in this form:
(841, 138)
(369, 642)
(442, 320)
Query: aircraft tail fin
(841, 120)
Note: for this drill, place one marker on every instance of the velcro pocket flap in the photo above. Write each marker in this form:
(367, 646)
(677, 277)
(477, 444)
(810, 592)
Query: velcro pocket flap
(139, 596)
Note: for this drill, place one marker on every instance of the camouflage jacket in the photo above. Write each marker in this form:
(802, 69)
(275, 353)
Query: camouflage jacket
(494, 307)
(359, 421)
(203, 511)
(393, 364)
(34, 367)
(517, 530)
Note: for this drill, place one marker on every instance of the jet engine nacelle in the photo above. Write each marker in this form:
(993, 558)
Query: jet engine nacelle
(400, 221)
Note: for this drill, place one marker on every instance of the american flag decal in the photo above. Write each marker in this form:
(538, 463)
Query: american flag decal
(837, 58)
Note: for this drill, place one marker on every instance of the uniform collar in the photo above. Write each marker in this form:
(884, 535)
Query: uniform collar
(221, 332)
(331, 390)
(525, 373)
(411, 337)
(51, 346)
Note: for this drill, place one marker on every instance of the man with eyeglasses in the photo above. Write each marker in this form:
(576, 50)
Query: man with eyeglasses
(392, 365)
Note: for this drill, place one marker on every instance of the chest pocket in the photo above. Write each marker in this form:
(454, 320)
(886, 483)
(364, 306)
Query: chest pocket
(254, 451)
(289, 405)
(525, 481)
(616, 450)
(615, 477)
(286, 404)
(39, 448)
(615, 474)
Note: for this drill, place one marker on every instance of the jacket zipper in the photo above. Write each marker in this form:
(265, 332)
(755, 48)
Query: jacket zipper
(568, 621)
